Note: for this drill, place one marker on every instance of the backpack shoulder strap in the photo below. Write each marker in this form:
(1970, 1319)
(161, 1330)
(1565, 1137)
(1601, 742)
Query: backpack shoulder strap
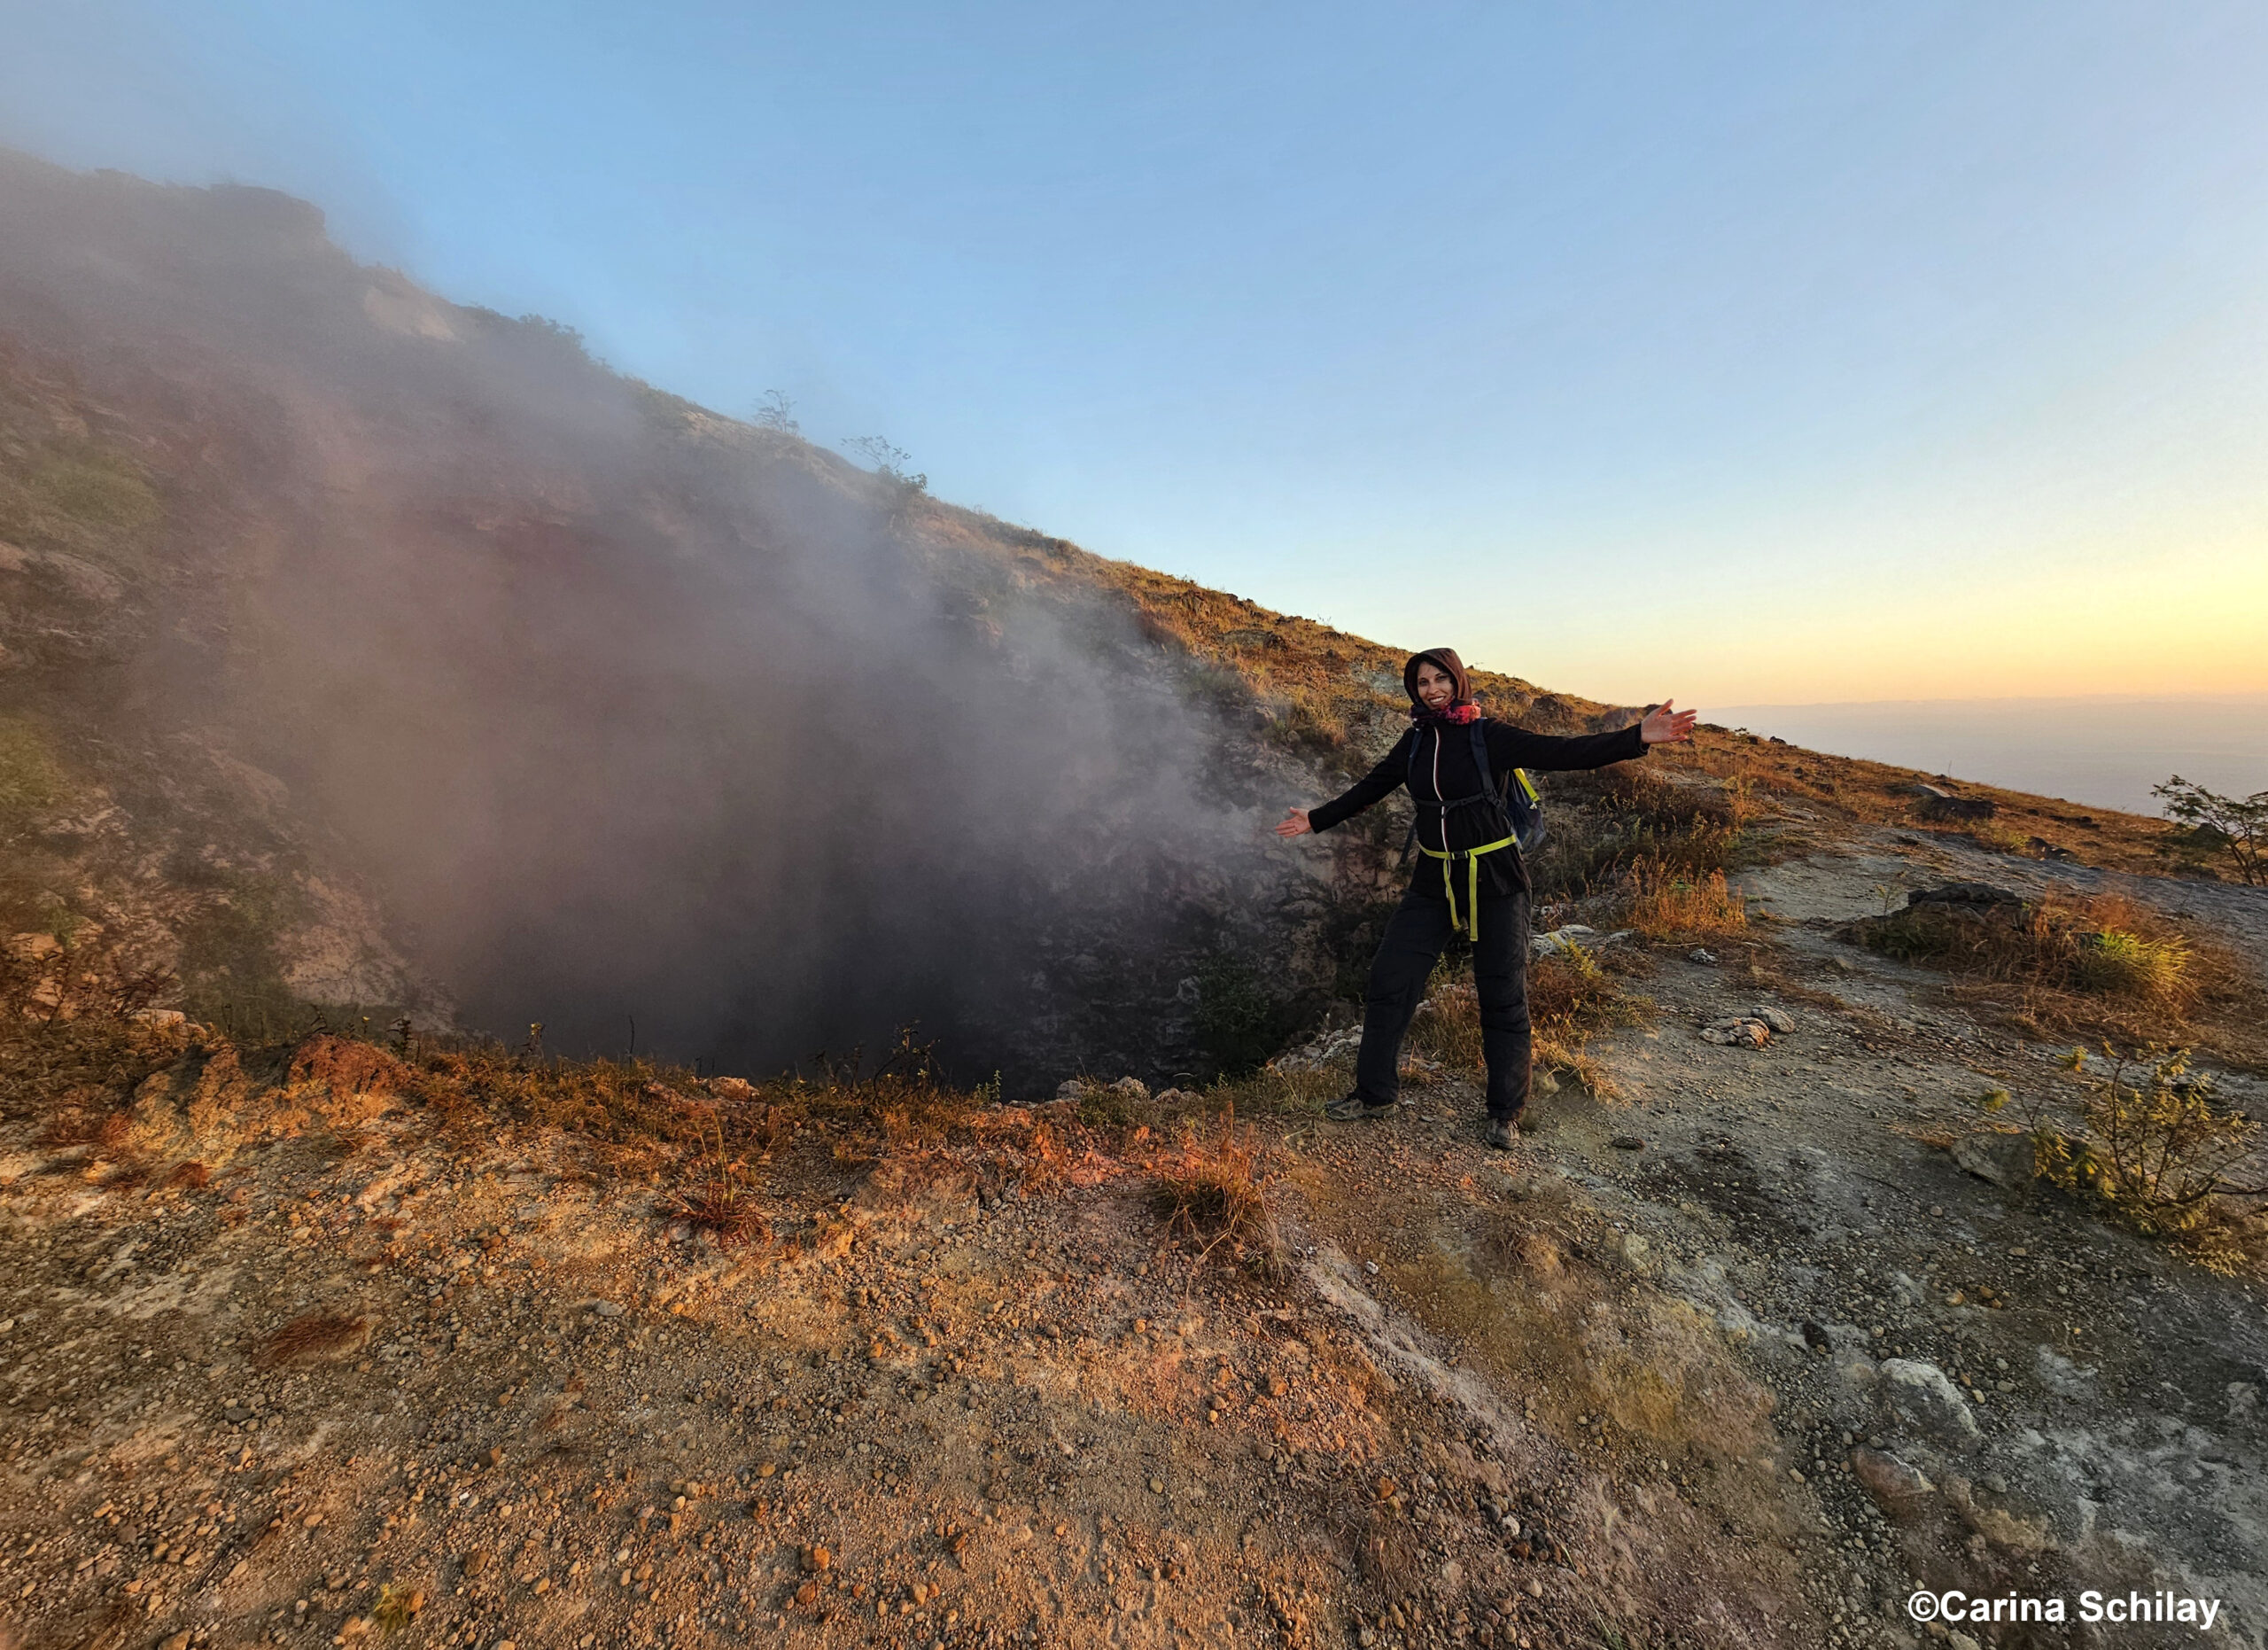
(1481, 756)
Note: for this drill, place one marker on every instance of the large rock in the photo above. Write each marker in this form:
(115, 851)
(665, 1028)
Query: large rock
(1898, 1488)
(2003, 1158)
(1578, 935)
(1923, 1397)
(1937, 803)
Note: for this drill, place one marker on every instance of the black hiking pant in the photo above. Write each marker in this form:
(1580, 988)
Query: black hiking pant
(1414, 938)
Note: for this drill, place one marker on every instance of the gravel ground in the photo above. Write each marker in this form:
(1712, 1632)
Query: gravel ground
(1742, 1358)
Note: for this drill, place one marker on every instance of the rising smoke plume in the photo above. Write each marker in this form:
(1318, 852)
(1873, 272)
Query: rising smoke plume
(628, 712)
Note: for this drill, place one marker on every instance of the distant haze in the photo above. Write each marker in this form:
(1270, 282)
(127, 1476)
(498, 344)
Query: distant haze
(2104, 750)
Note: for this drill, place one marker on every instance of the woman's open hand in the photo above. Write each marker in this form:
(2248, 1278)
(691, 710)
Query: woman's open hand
(1665, 724)
(1668, 725)
(1294, 823)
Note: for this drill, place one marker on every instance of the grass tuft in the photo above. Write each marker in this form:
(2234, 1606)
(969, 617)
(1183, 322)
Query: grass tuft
(1664, 902)
(1214, 1193)
(2120, 964)
(2110, 947)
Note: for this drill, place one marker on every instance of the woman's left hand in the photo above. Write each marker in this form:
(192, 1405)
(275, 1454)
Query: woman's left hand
(1665, 724)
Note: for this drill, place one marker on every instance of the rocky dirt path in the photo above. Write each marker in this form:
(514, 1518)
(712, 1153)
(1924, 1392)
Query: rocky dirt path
(1739, 1359)
(1988, 1387)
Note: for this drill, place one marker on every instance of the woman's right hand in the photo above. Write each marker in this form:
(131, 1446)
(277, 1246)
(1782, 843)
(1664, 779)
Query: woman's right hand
(1294, 823)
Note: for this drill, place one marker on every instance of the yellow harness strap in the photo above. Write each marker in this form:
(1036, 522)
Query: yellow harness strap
(1472, 858)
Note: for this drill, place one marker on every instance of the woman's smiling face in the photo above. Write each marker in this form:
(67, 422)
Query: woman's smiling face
(1435, 687)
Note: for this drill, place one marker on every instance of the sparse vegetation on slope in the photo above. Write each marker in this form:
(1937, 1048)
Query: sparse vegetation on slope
(2106, 965)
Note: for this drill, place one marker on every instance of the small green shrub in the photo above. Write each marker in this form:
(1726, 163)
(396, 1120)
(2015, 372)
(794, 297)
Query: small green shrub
(2118, 963)
(2157, 1147)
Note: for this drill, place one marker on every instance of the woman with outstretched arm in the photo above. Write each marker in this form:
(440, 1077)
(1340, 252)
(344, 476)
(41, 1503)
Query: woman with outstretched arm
(1469, 876)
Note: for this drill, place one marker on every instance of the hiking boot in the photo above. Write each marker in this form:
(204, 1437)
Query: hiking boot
(1502, 1132)
(1348, 1107)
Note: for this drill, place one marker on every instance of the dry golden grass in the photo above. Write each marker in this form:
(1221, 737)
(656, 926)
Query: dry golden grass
(1663, 902)
(1270, 1092)
(1836, 788)
(1214, 1193)
(1570, 993)
(347, 1067)
(2101, 966)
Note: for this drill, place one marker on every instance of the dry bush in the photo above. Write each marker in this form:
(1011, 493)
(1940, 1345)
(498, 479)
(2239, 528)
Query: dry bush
(1215, 1193)
(1568, 992)
(315, 1337)
(346, 1066)
(1605, 822)
(1571, 999)
(1663, 902)
(2161, 1153)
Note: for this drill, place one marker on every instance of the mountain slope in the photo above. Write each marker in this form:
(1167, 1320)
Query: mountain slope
(369, 650)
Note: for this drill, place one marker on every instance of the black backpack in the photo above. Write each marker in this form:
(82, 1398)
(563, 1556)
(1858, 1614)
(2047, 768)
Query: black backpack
(1516, 796)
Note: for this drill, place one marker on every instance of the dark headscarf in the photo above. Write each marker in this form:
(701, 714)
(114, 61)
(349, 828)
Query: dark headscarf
(1462, 708)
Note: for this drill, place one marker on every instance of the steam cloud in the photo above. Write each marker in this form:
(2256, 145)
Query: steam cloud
(629, 711)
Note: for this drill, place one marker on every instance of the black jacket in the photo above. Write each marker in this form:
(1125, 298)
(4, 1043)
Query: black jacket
(1445, 768)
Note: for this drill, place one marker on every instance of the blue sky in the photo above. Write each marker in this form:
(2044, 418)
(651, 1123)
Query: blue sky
(1745, 353)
